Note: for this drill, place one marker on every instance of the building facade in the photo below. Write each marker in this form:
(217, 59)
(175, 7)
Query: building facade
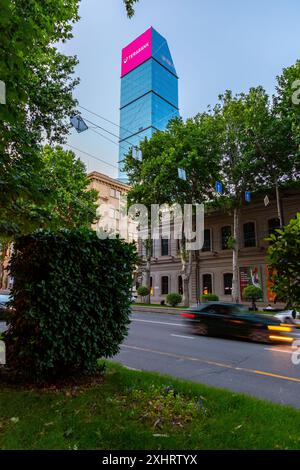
(110, 192)
(149, 91)
(212, 266)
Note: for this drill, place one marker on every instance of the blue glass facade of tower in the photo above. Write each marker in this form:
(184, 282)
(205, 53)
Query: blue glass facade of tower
(149, 98)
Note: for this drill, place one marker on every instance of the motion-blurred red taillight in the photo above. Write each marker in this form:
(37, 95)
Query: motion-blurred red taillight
(188, 315)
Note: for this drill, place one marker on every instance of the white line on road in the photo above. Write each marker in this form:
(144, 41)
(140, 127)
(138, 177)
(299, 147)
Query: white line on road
(181, 336)
(158, 322)
(279, 350)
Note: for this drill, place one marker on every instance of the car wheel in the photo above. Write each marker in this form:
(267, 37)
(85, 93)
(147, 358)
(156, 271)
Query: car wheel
(259, 336)
(201, 329)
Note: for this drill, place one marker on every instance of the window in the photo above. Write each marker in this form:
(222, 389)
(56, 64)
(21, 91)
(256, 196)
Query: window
(114, 193)
(249, 234)
(273, 224)
(227, 283)
(114, 213)
(207, 240)
(152, 248)
(164, 285)
(180, 286)
(206, 284)
(164, 247)
(225, 235)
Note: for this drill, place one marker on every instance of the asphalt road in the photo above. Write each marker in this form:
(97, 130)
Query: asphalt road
(162, 343)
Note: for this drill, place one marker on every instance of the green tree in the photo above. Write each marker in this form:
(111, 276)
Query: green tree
(143, 291)
(240, 167)
(39, 101)
(193, 146)
(274, 143)
(284, 262)
(71, 204)
(253, 293)
(129, 5)
(66, 203)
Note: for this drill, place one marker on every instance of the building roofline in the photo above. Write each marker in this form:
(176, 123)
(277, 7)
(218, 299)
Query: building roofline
(96, 175)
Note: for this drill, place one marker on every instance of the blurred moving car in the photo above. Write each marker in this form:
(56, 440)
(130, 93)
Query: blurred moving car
(235, 320)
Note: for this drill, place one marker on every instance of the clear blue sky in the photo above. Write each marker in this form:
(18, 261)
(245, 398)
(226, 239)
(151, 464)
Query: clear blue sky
(215, 44)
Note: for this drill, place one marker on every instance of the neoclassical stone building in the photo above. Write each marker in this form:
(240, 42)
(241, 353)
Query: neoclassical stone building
(213, 272)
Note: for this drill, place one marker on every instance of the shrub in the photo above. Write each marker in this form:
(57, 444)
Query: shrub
(71, 296)
(252, 293)
(209, 298)
(284, 263)
(143, 291)
(174, 299)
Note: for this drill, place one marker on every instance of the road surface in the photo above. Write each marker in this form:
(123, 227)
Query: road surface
(162, 343)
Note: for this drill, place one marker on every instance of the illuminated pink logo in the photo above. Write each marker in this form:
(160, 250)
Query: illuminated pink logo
(137, 52)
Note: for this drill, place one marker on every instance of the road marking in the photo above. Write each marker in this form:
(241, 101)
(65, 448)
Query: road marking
(213, 363)
(158, 322)
(181, 336)
(279, 350)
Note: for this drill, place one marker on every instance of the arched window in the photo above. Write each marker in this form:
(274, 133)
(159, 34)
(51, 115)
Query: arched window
(180, 285)
(164, 247)
(249, 234)
(273, 224)
(207, 240)
(227, 278)
(206, 284)
(164, 285)
(225, 235)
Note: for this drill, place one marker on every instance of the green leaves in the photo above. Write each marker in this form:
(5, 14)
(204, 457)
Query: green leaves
(71, 297)
(284, 262)
(39, 86)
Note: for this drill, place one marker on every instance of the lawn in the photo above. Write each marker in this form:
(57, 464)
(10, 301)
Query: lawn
(139, 410)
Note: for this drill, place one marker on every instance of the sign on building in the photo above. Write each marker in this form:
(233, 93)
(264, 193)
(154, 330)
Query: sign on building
(250, 276)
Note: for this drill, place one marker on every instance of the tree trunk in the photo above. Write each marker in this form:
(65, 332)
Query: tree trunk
(186, 270)
(4, 253)
(148, 267)
(235, 256)
(278, 202)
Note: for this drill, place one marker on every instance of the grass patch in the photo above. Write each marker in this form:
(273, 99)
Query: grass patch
(141, 410)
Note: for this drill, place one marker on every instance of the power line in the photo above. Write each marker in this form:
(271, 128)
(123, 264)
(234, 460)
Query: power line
(105, 119)
(93, 156)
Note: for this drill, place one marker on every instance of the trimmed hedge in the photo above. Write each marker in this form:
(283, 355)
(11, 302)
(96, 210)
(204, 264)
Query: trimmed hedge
(174, 299)
(209, 298)
(143, 291)
(71, 296)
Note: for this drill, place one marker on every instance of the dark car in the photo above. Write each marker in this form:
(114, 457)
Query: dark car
(216, 318)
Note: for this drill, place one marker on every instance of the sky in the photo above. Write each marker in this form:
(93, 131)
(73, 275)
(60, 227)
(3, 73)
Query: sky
(215, 45)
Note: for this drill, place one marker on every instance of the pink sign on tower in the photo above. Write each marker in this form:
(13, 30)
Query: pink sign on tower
(137, 52)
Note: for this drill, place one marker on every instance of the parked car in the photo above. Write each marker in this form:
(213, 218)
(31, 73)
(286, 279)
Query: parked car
(289, 316)
(217, 318)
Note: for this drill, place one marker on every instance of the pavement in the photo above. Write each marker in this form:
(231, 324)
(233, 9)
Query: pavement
(162, 343)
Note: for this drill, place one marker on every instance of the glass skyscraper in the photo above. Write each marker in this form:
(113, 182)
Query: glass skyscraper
(149, 91)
